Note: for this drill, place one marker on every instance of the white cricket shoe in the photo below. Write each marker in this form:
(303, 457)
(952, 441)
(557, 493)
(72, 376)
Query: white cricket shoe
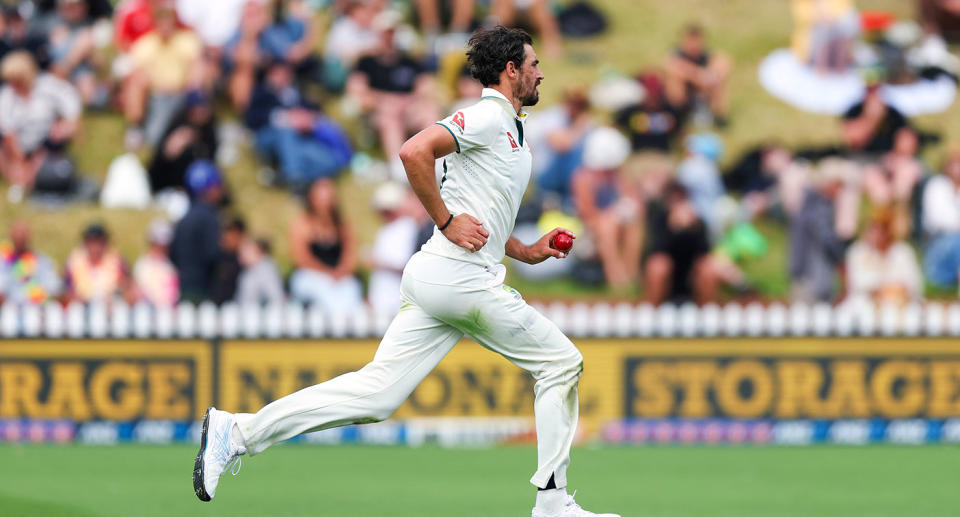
(217, 453)
(572, 509)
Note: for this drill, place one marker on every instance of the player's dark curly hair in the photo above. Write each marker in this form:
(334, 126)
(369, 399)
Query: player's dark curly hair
(491, 49)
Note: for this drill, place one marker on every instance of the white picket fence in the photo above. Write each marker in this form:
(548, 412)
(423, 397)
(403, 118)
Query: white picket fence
(621, 320)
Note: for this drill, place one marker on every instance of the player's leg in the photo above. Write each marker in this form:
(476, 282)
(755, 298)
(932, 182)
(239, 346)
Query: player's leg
(412, 346)
(499, 319)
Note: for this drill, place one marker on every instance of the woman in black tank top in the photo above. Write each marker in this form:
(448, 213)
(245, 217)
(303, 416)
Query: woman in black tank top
(323, 249)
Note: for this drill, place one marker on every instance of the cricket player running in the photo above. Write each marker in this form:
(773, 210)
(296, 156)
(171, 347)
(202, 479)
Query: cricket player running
(453, 286)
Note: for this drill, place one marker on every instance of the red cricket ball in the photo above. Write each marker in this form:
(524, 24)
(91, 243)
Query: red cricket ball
(562, 242)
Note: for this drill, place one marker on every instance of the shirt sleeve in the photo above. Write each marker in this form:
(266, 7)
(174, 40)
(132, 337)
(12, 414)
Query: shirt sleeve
(475, 126)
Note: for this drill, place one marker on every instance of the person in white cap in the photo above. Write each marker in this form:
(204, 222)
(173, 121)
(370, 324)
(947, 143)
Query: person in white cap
(610, 205)
(451, 288)
(392, 247)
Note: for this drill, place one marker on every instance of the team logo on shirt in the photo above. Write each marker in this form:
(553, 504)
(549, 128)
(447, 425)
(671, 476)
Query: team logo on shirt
(458, 120)
(513, 143)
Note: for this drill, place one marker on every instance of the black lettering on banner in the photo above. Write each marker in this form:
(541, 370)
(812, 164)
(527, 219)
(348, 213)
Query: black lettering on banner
(433, 395)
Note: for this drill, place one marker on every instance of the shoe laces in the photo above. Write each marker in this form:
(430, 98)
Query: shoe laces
(235, 466)
(571, 503)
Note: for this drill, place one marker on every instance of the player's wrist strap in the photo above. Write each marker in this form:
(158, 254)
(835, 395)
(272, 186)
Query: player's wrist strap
(444, 227)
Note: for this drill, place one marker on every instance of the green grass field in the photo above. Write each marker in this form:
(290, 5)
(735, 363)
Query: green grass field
(366, 481)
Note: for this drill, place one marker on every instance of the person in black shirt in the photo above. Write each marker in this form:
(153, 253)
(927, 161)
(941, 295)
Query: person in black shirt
(191, 136)
(195, 249)
(694, 72)
(871, 125)
(678, 264)
(228, 266)
(396, 90)
(653, 123)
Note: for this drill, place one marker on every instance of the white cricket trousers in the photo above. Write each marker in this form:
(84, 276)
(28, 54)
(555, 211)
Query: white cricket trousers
(443, 299)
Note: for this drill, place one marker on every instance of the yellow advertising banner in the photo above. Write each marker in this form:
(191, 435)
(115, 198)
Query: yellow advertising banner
(84, 380)
(789, 378)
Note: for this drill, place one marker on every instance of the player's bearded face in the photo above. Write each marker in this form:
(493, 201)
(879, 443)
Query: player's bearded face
(530, 77)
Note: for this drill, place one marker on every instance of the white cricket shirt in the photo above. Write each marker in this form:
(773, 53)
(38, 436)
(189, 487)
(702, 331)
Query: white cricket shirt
(486, 177)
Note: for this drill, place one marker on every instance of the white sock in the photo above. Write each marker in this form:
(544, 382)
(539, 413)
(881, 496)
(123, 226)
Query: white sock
(236, 440)
(552, 501)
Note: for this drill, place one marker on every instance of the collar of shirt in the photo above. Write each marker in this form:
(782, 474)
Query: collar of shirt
(492, 93)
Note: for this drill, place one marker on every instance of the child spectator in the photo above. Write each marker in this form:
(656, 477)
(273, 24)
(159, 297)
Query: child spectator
(26, 275)
(39, 114)
(699, 173)
(259, 282)
(324, 250)
(95, 271)
(154, 275)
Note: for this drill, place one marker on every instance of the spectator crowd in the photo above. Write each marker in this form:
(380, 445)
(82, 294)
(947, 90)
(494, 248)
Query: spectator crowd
(633, 163)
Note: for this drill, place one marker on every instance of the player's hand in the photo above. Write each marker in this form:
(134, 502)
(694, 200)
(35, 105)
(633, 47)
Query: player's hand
(541, 250)
(467, 232)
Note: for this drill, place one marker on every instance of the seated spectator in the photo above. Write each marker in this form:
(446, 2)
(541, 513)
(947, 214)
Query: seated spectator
(195, 249)
(95, 271)
(396, 90)
(167, 64)
(324, 251)
(154, 275)
(881, 268)
(699, 173)
(259, 282)
(871, 125)
(228, 267)
(825, 33)
(678, 265)
(39, 115)
(816, 247)
(133, 19)
(26, 275)
(892, 180)
(756, 175)
(394, 244)
(461, 16)
(558, 133)
(538, 12)
(72, 48)
(287, 34)
(351, 36)
(15, 35)
(215, 22)
(286, 130)
(695, 74)
(654, 123)
(610, 205)
(941, 224)
(191, 136)
(941, 17)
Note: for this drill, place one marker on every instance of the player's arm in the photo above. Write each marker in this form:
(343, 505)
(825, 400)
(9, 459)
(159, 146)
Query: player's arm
(538, 251)
(418, 156)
